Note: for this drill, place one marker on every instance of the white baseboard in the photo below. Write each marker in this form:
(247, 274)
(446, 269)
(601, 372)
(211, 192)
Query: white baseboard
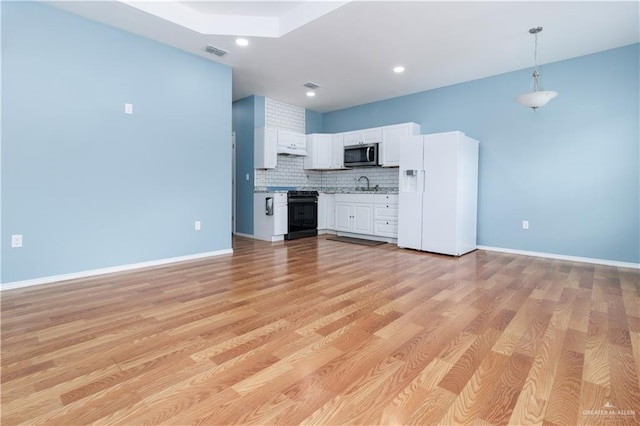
(563, 257)
(110, 270)
(367, 237)
(270, 238)
(240, 234)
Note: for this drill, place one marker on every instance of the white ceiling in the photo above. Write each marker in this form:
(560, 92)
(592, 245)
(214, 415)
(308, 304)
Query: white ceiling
(244, 8)
(350, 48)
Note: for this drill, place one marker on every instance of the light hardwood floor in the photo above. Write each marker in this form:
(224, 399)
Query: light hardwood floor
(314, 331)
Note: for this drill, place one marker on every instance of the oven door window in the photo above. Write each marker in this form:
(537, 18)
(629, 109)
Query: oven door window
(302, 216)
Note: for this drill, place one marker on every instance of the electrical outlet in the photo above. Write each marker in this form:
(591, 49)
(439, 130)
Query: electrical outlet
(197, 225)
(128, 108)
(246, 177)
(16, 241)
(525, 224)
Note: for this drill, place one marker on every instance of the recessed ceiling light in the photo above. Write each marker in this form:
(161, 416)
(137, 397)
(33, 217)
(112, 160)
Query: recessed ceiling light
(242, 42)
(398, 69)
(311, 94)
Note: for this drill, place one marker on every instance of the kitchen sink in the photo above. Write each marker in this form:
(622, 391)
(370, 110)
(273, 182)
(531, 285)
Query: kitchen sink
(374, 189)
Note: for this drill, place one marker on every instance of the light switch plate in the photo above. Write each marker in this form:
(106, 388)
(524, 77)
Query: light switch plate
(128, 108)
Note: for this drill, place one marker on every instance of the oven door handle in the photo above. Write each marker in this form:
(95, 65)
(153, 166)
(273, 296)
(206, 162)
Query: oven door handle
(368, 151)
(302, 201)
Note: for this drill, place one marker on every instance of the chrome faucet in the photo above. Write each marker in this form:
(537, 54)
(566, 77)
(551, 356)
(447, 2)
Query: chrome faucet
(368, 187)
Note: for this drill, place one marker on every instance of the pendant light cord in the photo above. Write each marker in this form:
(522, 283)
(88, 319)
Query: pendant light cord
(536, 74)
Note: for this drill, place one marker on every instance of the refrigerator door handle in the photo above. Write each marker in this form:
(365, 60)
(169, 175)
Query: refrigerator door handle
(422, 180)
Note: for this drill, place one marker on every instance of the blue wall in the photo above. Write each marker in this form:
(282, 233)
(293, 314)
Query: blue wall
(248, 114)
(572, 168)
(313, 121)
(87, 185)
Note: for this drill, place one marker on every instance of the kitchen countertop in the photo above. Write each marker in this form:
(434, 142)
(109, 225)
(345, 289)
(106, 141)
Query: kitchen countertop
(354, 191)
(339, 190)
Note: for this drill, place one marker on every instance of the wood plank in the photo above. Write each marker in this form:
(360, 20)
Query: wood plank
(305, 332)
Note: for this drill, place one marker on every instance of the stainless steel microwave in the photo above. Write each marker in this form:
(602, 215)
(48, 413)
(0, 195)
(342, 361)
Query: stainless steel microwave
(361, 155)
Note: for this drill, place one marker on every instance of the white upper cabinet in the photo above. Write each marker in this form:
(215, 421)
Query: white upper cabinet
(353, 138)
(265, 148)
(319, 152)
(372, 135)
(324, 152)
(300, 141)
(392, 136)
(362, 137)
(292, 143)
(337, 151)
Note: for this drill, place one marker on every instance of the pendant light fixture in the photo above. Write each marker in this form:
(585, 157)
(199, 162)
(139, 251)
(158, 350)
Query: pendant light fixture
(537, 97)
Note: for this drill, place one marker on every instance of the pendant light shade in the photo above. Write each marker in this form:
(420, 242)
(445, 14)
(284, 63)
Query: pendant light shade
(537, 97)
(536, 100)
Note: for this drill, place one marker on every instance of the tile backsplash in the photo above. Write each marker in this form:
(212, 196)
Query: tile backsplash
(290, 172)
(279, 115)
(384, 177)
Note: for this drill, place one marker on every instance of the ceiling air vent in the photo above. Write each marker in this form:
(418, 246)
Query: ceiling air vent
(311, 85)
(215, 50)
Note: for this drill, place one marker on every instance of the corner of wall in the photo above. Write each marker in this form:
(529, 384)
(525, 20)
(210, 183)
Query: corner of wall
(314, 122)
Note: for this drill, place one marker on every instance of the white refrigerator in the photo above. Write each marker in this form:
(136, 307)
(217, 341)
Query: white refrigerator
(438, 193)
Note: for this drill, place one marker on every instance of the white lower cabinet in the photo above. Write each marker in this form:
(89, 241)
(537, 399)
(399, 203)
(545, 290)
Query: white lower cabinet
(385, 215)
(326, 212)
(354, 213)
(281, 213)
(343, 216)
(331, 212)
(374, 215)
(362, 218)
(270, 227)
